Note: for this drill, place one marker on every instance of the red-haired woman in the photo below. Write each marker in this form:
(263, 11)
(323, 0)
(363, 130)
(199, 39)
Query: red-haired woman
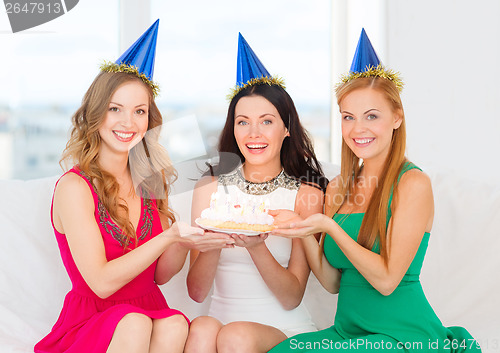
(376, 227)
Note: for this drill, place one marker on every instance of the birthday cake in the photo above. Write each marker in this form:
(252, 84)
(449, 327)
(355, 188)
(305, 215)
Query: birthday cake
(246, 214)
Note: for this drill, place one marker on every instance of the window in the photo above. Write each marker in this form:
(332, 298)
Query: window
(196, 61)
(49, 68)
(43, 79)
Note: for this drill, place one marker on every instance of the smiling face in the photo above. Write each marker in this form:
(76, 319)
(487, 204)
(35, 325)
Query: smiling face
(259, 130)
(368, 122)
(126, 120)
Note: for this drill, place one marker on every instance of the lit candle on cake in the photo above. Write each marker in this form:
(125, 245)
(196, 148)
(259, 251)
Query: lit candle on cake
(267, 205)
(212, 201)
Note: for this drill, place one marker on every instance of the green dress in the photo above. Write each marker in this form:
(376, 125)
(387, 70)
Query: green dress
(367, 321)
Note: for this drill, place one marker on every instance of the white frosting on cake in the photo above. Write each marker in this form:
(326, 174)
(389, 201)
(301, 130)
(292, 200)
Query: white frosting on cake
(247, 210)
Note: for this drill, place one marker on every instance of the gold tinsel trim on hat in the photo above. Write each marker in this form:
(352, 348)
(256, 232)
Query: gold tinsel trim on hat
(277, 81)
(374, 71)
(108, 66)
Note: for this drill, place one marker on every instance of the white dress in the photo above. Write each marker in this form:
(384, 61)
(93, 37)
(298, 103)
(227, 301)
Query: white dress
(240, 293)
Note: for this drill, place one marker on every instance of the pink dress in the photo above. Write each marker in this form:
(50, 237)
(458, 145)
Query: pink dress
(87, 322)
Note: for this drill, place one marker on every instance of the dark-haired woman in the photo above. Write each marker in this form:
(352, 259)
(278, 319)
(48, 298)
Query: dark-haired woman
(259, 284)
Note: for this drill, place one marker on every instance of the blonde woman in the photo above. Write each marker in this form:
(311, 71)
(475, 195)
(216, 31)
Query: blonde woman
(377, 223)
(118, 239)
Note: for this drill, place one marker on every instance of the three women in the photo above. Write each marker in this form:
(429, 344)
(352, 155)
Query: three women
(118, 238)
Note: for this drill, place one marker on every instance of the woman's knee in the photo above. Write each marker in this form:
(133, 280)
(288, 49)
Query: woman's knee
(134, 327)
(136, 322)
(202, 335)
(235, 337)
(172, 325)
(206, 323)
(205, 326)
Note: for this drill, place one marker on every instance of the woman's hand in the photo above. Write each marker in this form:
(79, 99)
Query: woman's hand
(248, 241)
(181, 229)
(313, 224)
(283, 216)
(210, 241)
(197, 239)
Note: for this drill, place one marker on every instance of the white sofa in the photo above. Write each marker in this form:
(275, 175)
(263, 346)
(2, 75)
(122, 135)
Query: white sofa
(461, 273)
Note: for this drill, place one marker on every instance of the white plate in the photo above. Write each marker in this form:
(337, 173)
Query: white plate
(229, 231)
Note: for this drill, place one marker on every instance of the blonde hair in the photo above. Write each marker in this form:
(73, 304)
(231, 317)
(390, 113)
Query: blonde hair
(149, 156)
(374, 224)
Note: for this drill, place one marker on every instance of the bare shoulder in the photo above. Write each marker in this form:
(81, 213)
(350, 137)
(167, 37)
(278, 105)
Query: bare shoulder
(334, 185)
(414, 182)
(309, 199)
(331, 192)
(205, 186)
(415, 188)
(206, 182)
(310, 193)
(72, 186)
(72, 199)
(307, 189)
(201, 195)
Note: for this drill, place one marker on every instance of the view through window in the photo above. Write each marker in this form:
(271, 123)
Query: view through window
(49, 68)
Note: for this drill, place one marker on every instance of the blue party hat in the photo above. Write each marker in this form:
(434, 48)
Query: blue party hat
(139, 59)
(250, 70)
(367, 64)
(365, 56)
(248, 66)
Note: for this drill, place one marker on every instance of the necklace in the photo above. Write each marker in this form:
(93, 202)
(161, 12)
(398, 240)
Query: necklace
(282, 180)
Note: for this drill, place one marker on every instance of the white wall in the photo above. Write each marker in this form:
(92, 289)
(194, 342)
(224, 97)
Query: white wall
(448, 53)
